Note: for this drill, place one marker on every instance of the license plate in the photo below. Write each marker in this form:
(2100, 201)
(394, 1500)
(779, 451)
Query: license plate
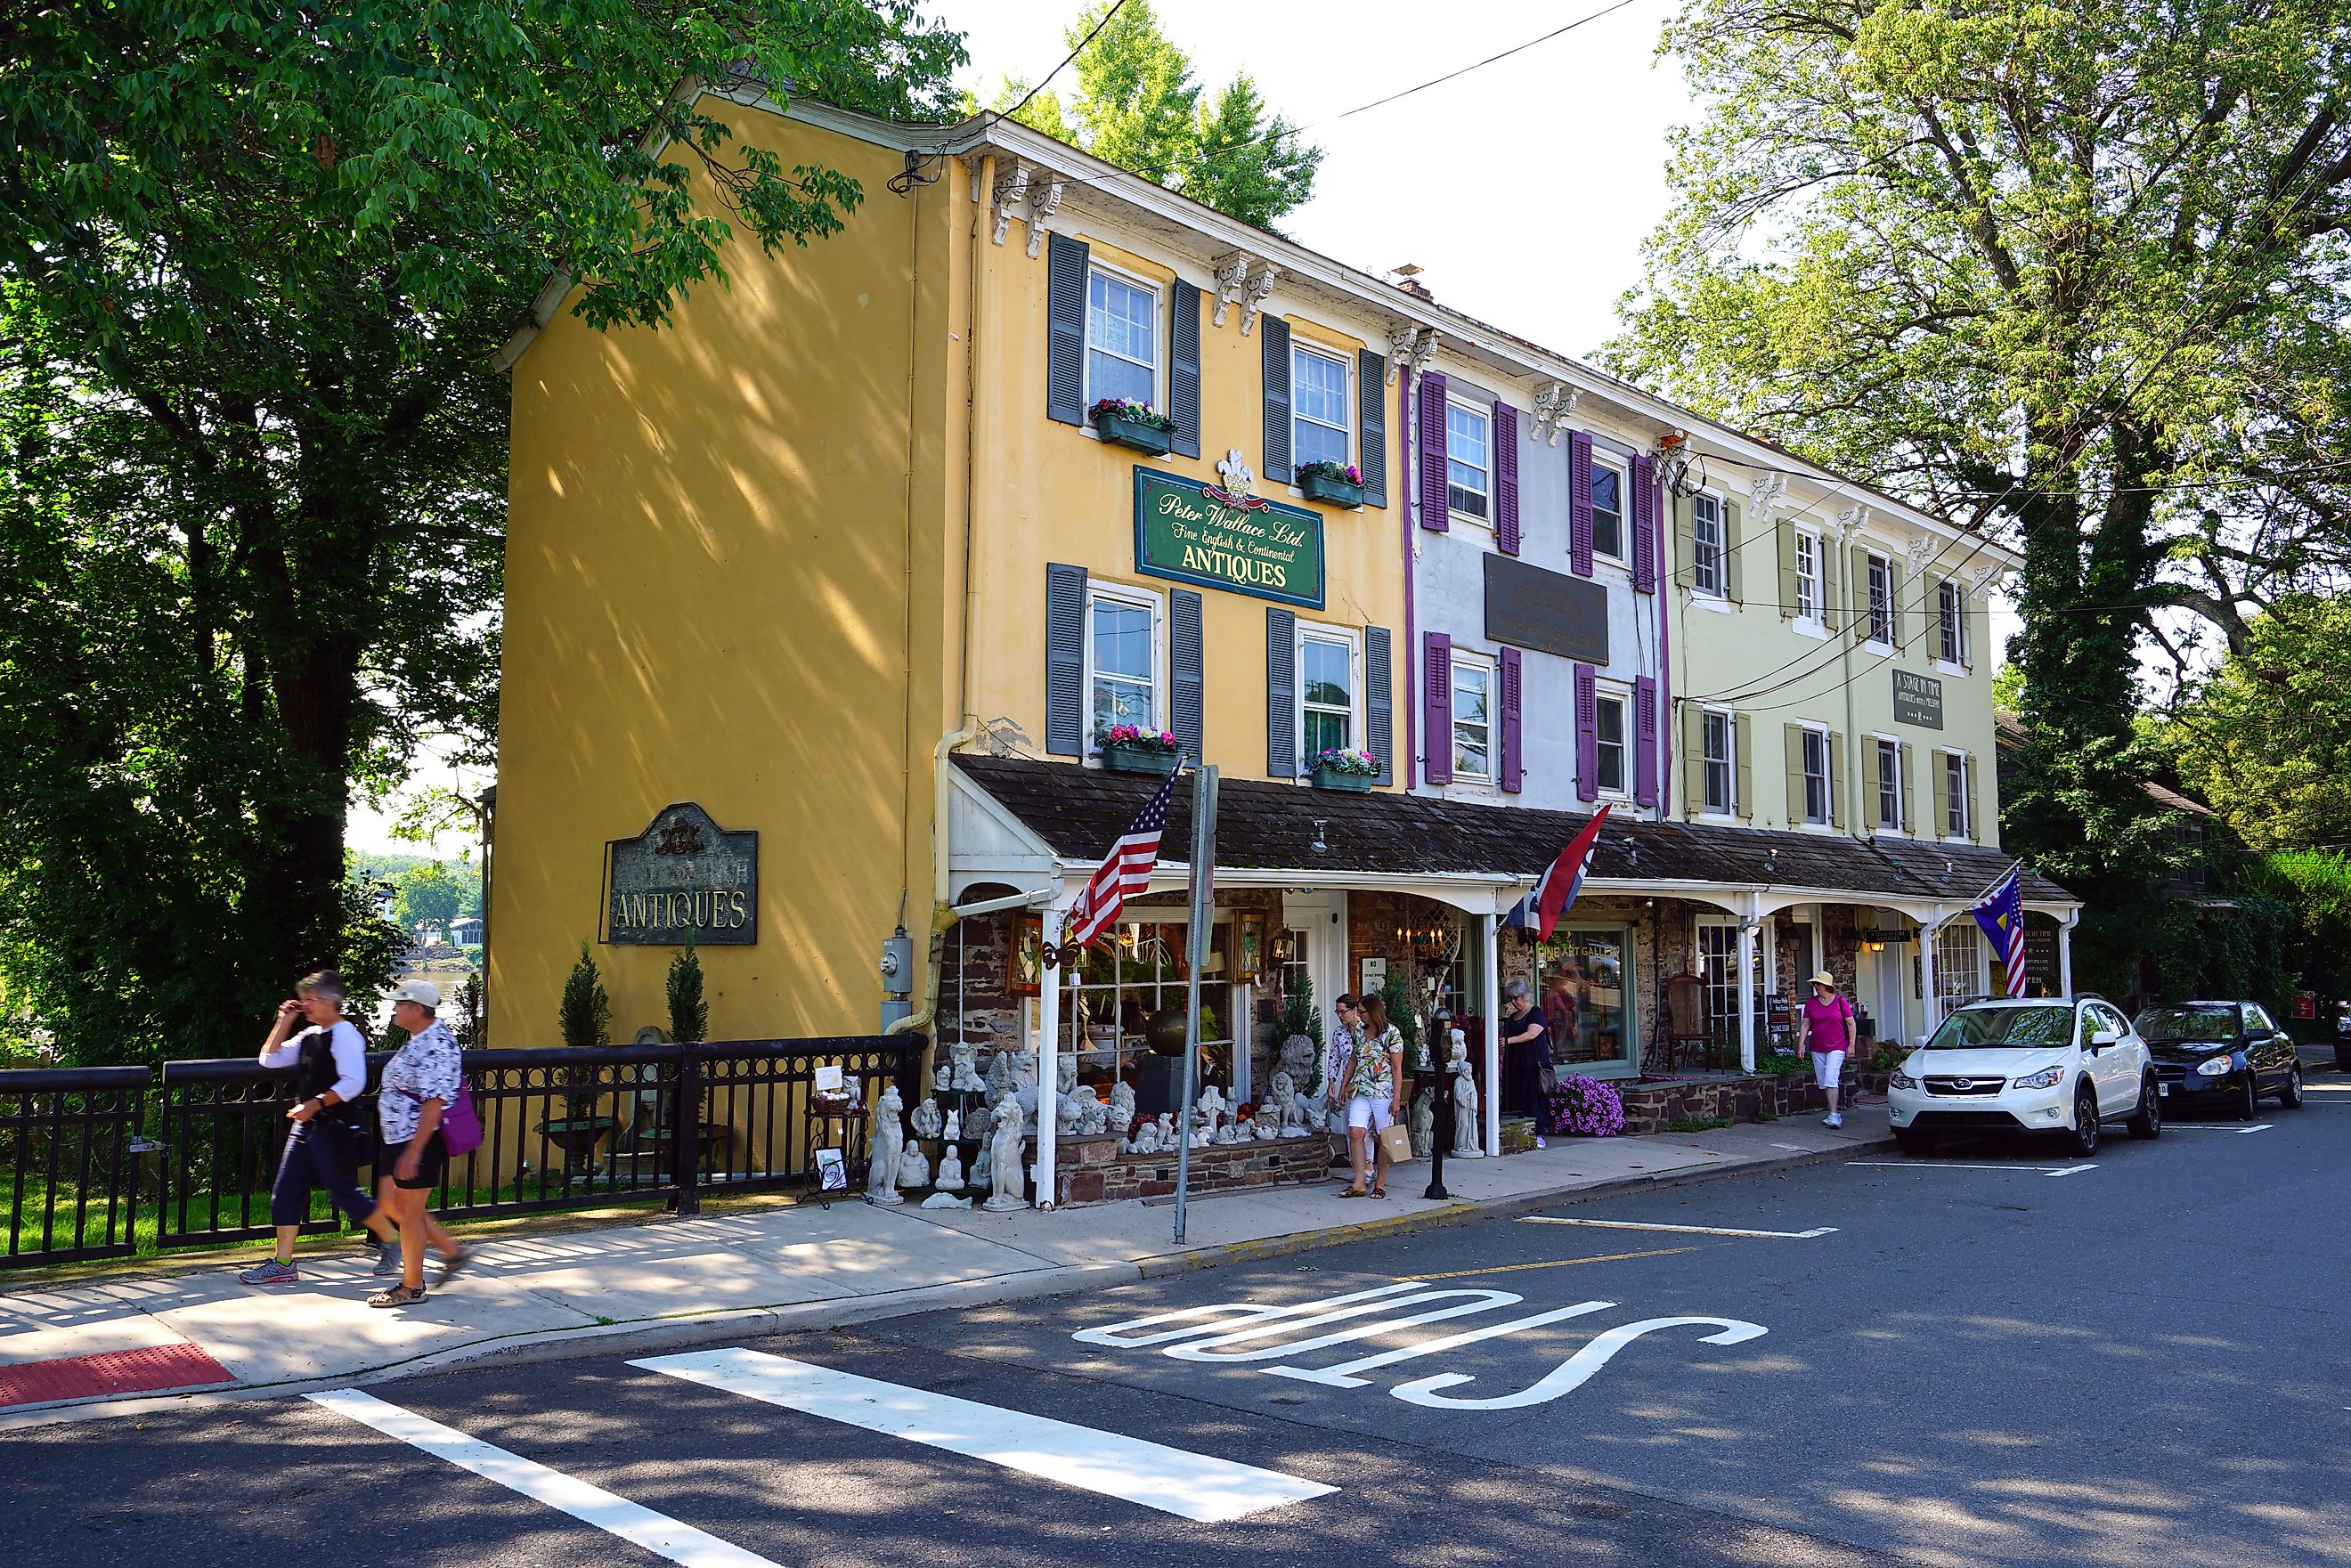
(2162, 1090)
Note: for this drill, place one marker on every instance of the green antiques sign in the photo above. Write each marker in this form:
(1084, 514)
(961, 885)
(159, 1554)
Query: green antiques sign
(1194, 532)
(1918, 699)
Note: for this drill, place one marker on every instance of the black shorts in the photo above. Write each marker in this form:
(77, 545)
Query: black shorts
(429, 1168)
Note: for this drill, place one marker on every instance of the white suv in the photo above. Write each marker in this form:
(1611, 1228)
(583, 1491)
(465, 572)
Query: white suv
(2051, 1066)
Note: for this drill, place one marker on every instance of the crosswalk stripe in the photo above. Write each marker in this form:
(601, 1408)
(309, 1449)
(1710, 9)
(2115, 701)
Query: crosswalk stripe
(1817, 1230)
(1173, 1480)
(641, 1526)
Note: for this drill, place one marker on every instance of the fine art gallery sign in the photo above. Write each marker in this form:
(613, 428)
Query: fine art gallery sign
(1194, 532)
(684, 877)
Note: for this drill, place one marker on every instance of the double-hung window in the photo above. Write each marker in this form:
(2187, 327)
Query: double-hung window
(1122, 338)
(1810, 599)
(1708, 573)
(1881, 601)
(1469, 460)
(1608, 512)
(1955, 790)
(1721, 764)
(1889, 785)
(1319, 422)
(1816, 775)
(1609, 751)
(1473, 717)
(1123, 658)
(1950, 625)
(1326, 691)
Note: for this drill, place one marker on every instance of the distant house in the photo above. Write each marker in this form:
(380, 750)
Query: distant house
(466, 932)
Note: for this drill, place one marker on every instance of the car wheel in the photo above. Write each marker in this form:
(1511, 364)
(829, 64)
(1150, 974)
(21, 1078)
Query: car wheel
(1918, 1141)
(2249, 1102)
(2083, 1141)
(2291, 1096)
(2147, 1121)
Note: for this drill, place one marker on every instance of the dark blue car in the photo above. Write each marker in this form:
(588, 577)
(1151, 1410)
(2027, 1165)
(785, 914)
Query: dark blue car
(2228, 1056)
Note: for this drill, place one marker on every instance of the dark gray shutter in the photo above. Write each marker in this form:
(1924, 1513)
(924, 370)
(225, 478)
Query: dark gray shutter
(1065, 660)
(1183, 368)
(1280, 694)
(1379, 701)
(1276, 352)
(1065, 330)
(1372, 434)
(1184, 659)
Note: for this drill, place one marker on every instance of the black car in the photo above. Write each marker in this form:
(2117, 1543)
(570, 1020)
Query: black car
(2228, 1055)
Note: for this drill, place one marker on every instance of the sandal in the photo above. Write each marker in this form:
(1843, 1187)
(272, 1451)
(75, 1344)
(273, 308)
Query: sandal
(450, 1266)
(1379, 1192)
(1351, 1192)
(398, 1296)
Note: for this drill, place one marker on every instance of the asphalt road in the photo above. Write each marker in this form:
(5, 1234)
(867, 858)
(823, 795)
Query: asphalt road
(2136, 1362)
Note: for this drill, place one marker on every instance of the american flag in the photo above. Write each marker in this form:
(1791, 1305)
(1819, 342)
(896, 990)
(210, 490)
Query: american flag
(1125, 870)
(2001, 913)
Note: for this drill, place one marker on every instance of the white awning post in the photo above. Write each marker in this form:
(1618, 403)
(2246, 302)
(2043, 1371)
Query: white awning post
(1928, 978)
(1048, 1053)
(1746, 923)
(2066, 953)
(1493, 983)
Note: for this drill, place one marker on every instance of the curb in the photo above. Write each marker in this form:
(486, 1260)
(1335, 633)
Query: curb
(1058, 1279)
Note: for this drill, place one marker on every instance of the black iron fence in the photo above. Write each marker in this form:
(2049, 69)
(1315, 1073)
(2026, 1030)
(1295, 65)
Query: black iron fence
(106, 1162)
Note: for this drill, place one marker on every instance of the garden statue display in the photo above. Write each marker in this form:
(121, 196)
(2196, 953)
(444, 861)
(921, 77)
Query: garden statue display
(1421, 1123)
(983, 1164)
(913, 1168)
(1465, 1101)
(966, 1078)
(950, 1176)
(940, 1078)
(954, 1127)
(1122, 1106)
(889, 1145)
(1004, 1163)
(1213, 1111)
(928, 1120)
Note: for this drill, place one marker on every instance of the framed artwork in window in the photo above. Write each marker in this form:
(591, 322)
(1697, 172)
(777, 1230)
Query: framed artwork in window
(1248, 947)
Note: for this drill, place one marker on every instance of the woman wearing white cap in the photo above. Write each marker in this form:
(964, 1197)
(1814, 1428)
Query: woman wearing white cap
(1829, 1027)
(420, 1082)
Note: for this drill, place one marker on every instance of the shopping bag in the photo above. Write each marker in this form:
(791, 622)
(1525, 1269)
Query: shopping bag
(1396, 1143)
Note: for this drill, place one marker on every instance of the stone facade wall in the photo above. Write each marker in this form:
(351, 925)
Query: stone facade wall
(1089, 1170)
(1649, 1106)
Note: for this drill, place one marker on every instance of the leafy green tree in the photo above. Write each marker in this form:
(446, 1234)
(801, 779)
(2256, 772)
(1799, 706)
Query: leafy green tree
(2267, 740)
(428, 896)
(2053, 273)
(689, 1010)
(1138, 105)
(255, 262)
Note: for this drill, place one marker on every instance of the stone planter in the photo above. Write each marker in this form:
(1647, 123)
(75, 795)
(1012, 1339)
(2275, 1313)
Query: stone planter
(1122, 759)
(1119, 430)
(1353, 783)
(1337, 492)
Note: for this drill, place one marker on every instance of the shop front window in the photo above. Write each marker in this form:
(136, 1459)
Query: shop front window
(1585, 998)
(1124, 983)
(1717, 959)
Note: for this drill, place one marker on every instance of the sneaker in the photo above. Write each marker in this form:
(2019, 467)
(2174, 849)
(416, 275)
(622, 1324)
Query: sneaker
(271, 1274)
(1832, 1120)
(387, 1263)
(1542, 1143)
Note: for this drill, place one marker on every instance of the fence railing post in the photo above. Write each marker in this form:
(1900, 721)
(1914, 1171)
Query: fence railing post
(685, 1131)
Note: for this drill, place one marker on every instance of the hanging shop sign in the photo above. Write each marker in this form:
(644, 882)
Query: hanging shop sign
(1195, 532)
(1918, 699)
(685, 877)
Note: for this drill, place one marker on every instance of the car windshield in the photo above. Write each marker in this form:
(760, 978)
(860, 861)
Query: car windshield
(2024, 1029)
(2159, 1026)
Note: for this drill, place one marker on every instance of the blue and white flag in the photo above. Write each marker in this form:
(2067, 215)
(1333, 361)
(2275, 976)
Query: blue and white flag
(2001, 913)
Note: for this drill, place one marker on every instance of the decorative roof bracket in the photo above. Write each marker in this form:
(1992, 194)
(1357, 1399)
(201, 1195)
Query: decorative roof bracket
(1410, 348)
(1554, 401)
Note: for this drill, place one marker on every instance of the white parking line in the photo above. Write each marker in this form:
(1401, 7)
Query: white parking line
(656, 1533)
(1173, 1480)
(1681, 1229)
(1960, 1165)
(2215, 1127)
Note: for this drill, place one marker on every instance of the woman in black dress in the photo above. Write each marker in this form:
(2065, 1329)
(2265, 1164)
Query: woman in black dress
(1526, 1041)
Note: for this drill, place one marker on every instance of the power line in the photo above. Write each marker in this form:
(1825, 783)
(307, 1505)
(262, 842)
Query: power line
(1073, 53)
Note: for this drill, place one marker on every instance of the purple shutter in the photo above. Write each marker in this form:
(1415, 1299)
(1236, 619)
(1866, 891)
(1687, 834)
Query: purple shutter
(1506, 478)
(1645, 740)
(1434, 512)
(1645, 526)
(1579, 503)
(1437, 705)
(1587, 734)
(1510, 754)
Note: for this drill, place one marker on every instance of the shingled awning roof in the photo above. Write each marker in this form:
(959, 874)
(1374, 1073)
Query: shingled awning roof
(1079, 811)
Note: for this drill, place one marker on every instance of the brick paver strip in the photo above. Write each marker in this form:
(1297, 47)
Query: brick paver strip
(147, 1370)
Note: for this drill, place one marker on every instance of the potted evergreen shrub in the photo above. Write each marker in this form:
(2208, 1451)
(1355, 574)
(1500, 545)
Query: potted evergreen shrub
(1344, 767)
(585, 1018)
(1125, 422)
(1128, 750)
(1341, 483)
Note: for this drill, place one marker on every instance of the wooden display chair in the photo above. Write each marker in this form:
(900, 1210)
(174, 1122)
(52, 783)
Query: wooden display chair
(1685, 1021)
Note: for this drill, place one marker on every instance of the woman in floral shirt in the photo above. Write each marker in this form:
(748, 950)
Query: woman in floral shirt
(1374, 1089)
(419, 1081)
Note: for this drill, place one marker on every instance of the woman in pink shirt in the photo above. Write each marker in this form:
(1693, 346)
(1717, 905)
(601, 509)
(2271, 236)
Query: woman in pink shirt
(1828, 1027)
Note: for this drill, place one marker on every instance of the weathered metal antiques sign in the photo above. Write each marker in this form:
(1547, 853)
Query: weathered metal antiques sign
(684, 877)
(1195, 532)
(1918, 699)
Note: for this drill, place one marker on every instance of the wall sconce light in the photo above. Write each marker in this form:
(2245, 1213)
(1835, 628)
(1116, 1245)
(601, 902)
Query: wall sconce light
(1280, 950)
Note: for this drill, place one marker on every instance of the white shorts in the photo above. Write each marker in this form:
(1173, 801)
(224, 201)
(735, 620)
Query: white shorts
(1365, 1111)
(1827, 1066)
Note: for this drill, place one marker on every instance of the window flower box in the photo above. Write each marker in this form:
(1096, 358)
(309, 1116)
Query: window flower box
(1123, 422)
(1343, 769)
(1128, 750)
(1342, 485)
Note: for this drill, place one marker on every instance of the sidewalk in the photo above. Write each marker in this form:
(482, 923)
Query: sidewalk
(146, 1342)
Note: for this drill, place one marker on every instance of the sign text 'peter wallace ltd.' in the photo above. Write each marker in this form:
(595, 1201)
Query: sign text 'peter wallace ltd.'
(685, 877)
(1193, 532)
